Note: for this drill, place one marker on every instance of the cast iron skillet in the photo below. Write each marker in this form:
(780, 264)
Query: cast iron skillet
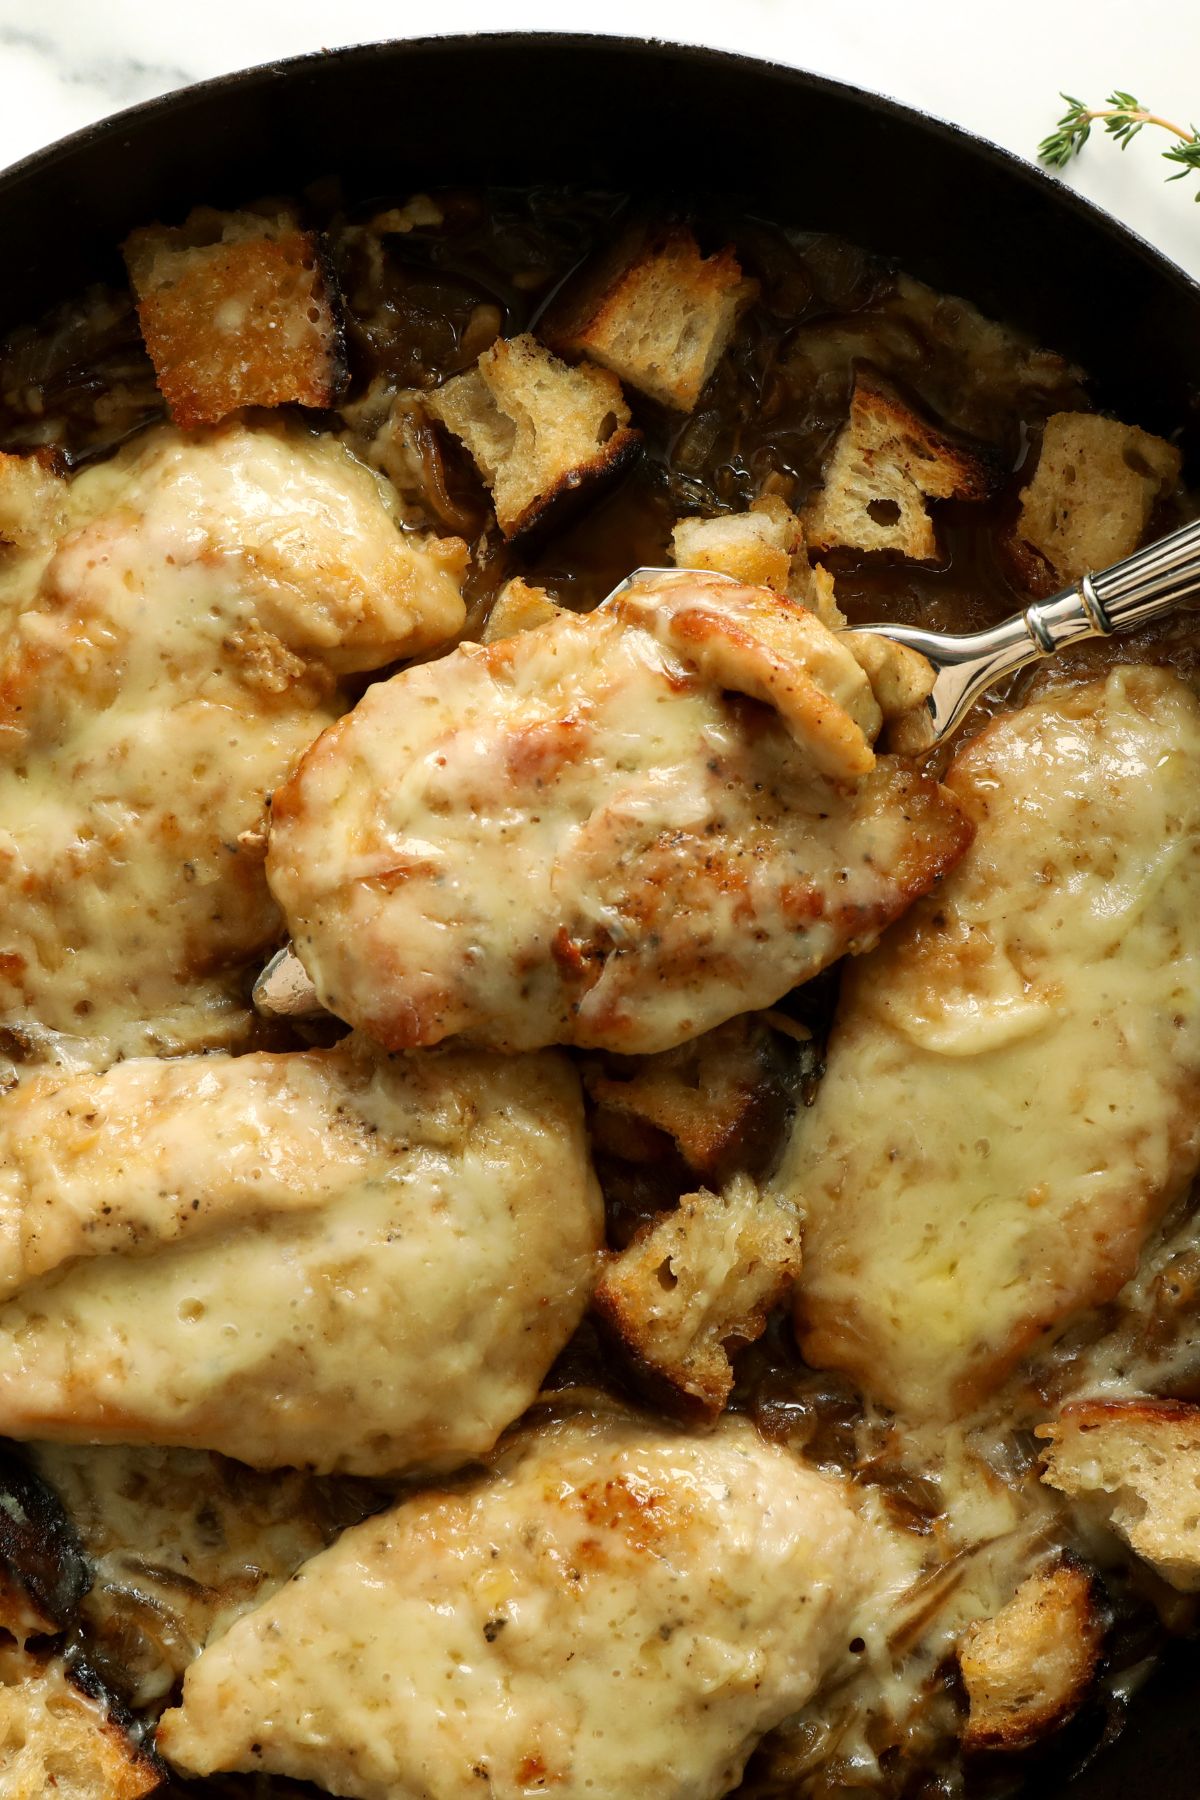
(961, 214)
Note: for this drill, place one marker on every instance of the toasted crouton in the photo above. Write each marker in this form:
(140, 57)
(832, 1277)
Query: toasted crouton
(58, 1737)
(707, 1094)
(519, 607)
(1027, 1671)
(1139, 1461)
(658, 314)
(756, 548)
(764, 548)
(31, 499)
(885, 464)
(1090, 500)
(696, 1280)
(236, 309)
(536, 428)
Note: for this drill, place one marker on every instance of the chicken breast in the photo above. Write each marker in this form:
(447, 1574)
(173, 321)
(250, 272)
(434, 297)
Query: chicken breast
(170, 647)
(1012, 1097)
(327, 1258)
(580, 835)
(615, 1608)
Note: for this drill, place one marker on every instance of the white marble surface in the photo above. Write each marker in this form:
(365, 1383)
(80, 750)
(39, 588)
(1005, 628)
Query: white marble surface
(997, 69)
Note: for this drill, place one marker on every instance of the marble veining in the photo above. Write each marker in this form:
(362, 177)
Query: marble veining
(123, 79)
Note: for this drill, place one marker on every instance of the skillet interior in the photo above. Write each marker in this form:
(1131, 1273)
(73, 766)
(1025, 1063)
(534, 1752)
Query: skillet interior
(957, 213)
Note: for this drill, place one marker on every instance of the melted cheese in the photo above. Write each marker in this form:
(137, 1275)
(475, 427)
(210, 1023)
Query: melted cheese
(1013, 1089)
(181, 1543)
(325, 1259)
(576, 835)
(166, 659)
(614, 1609)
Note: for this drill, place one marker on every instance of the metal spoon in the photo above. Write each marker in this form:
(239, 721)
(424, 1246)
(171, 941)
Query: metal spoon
(1141, 587)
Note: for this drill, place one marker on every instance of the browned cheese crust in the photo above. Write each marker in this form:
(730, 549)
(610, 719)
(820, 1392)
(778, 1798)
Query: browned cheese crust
(577, 835)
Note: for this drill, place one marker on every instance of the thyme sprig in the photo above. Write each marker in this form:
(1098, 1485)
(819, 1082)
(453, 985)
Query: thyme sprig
(1122, 117)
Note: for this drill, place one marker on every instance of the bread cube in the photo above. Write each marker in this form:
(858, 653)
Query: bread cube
(705, 1095)
(58, 1736)
(519, 607)
(236, 309)
(1138, 1463)
(536, 428)
(697, 1280)
(1027, 1670)
(755, 547)
(1090, 500)
(885, 464)
(658, 314)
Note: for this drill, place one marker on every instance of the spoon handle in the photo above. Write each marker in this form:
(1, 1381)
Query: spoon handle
(1151, 581)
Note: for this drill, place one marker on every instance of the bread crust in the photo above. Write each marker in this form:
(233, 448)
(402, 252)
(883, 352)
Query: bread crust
(1090, 500)
(536, 429)
(62, 1734)
(1137, 1462)
(657, 313)
(237, 309)
(886, 462)
(1028, 1670)
(694, 1282)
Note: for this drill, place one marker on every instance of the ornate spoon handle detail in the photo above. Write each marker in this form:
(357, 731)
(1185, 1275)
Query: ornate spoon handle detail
(1150, 582)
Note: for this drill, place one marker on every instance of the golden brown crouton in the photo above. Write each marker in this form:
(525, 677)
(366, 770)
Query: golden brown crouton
(757, 547)
(1090, 500)
(536, 428)
(58, 1738)
(763, 547)
(236, 310)
(706, 1094)
(657, 313)
(31, 499)
(1027, 1671)
(1139, 1461)
(519, 607)
(885, 464)
(694, 1281)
